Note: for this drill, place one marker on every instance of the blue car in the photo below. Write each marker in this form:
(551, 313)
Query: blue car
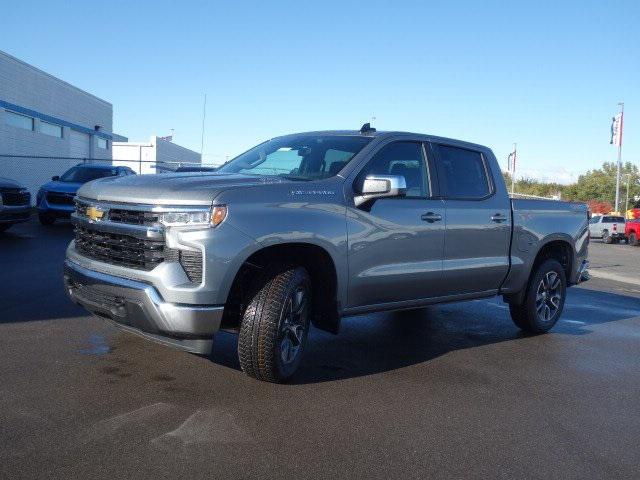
(56, 198)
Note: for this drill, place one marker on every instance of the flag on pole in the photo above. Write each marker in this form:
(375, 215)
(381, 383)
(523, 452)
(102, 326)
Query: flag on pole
(616, 130)
(168, 138)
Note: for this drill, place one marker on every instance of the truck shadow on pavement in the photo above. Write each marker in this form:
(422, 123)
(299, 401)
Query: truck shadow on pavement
(380, 343)
(31, 263)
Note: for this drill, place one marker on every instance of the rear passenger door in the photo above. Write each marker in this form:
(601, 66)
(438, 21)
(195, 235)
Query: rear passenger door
(478, 229)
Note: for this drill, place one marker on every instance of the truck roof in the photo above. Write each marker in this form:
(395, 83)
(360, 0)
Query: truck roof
(392, 133)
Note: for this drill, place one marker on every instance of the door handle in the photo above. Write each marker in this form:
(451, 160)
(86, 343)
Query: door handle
(431, 217)
(498, 218)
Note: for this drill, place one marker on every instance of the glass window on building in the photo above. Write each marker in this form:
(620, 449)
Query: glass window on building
(18, 120)
(102, 143)
(51, 129)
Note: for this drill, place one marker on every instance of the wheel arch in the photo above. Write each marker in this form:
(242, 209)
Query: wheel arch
(558, 247)
(313, 257)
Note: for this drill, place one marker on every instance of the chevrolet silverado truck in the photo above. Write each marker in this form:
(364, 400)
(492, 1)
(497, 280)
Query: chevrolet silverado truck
(313, 227)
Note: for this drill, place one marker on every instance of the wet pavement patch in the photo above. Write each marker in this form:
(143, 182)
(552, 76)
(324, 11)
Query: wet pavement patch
(96, 345)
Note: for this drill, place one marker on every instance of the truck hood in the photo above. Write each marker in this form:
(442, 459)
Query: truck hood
(196, 188)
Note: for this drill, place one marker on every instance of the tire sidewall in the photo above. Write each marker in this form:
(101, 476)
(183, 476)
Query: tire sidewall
(633, 239)
(544, 268)
(285, 371)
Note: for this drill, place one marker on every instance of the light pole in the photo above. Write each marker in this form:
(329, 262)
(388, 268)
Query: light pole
(617, 206)
(626, 204)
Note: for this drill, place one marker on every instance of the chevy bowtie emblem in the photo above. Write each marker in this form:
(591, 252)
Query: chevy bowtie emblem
(94, 214)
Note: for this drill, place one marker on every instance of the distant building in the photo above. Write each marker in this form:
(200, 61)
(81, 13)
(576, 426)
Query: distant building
(155, 156)
(43, 116)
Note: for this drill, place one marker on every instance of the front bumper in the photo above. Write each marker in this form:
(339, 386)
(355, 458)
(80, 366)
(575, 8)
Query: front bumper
(139, 308)
(14, 214)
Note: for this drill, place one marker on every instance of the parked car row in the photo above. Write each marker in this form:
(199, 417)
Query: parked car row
(55, 199)
(615, 229)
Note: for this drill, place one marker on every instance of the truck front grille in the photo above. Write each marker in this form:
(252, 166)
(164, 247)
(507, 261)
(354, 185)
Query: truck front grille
(132, 252)
(118, 249)
(133, 217)
(60, 198)
(15, 198)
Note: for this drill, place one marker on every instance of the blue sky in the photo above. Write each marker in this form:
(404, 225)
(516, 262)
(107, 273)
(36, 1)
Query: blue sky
(547, 75)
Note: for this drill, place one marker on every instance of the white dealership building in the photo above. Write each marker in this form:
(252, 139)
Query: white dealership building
(44, 121)
(155, 156)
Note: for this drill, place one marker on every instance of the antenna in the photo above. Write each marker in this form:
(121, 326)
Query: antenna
(366, 128)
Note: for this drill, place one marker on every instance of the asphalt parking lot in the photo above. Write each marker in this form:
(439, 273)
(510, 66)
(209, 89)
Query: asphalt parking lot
(453, 391)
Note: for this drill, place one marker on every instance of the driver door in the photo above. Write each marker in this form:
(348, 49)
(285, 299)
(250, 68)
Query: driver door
(396, 245)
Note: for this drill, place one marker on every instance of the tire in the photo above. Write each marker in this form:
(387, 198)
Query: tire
(633, 239)
(46, 219)
(4, 228)
(606, 238)
(529, 316)
(275, 324)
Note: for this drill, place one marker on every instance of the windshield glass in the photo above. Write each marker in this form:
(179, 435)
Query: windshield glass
(86, 174)
(298, 157)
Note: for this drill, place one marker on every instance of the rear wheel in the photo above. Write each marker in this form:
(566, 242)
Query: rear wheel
(275, 325)
(606, 238)
(46, 219)
(633, 239)
(544, 299)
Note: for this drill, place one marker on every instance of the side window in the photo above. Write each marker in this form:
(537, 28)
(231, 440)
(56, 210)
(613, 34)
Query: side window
(405, 159)
(335, 160)
(462, 173)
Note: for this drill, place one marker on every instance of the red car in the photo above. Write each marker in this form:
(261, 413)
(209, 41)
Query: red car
(632, 231)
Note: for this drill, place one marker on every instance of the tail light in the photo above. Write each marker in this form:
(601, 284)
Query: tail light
(615, 227)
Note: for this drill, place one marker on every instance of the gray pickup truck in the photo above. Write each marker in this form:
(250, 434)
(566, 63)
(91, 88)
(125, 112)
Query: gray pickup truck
(313, 227)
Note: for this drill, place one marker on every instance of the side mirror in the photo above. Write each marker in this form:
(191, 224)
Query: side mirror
(55, 178)
(381, 186)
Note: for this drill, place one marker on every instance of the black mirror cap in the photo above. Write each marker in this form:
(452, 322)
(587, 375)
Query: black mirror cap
(55, 178)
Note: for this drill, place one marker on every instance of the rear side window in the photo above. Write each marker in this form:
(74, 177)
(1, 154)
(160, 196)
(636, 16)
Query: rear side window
(613, 220)
(462, 173)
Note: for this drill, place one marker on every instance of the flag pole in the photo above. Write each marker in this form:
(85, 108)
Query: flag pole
(619, 156)
(204, 114)
(513, 174)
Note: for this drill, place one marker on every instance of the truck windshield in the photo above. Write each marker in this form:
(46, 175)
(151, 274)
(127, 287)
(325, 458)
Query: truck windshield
(299, 157)
(86, 174)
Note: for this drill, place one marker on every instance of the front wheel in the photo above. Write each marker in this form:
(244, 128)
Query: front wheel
(5, 227)
(544, 299)
(633, 239)
(275, 325)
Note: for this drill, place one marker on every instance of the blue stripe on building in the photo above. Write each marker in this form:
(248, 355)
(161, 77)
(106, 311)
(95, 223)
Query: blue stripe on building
(50, 119)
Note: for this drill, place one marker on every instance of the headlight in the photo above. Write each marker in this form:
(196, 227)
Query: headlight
(210, 217)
